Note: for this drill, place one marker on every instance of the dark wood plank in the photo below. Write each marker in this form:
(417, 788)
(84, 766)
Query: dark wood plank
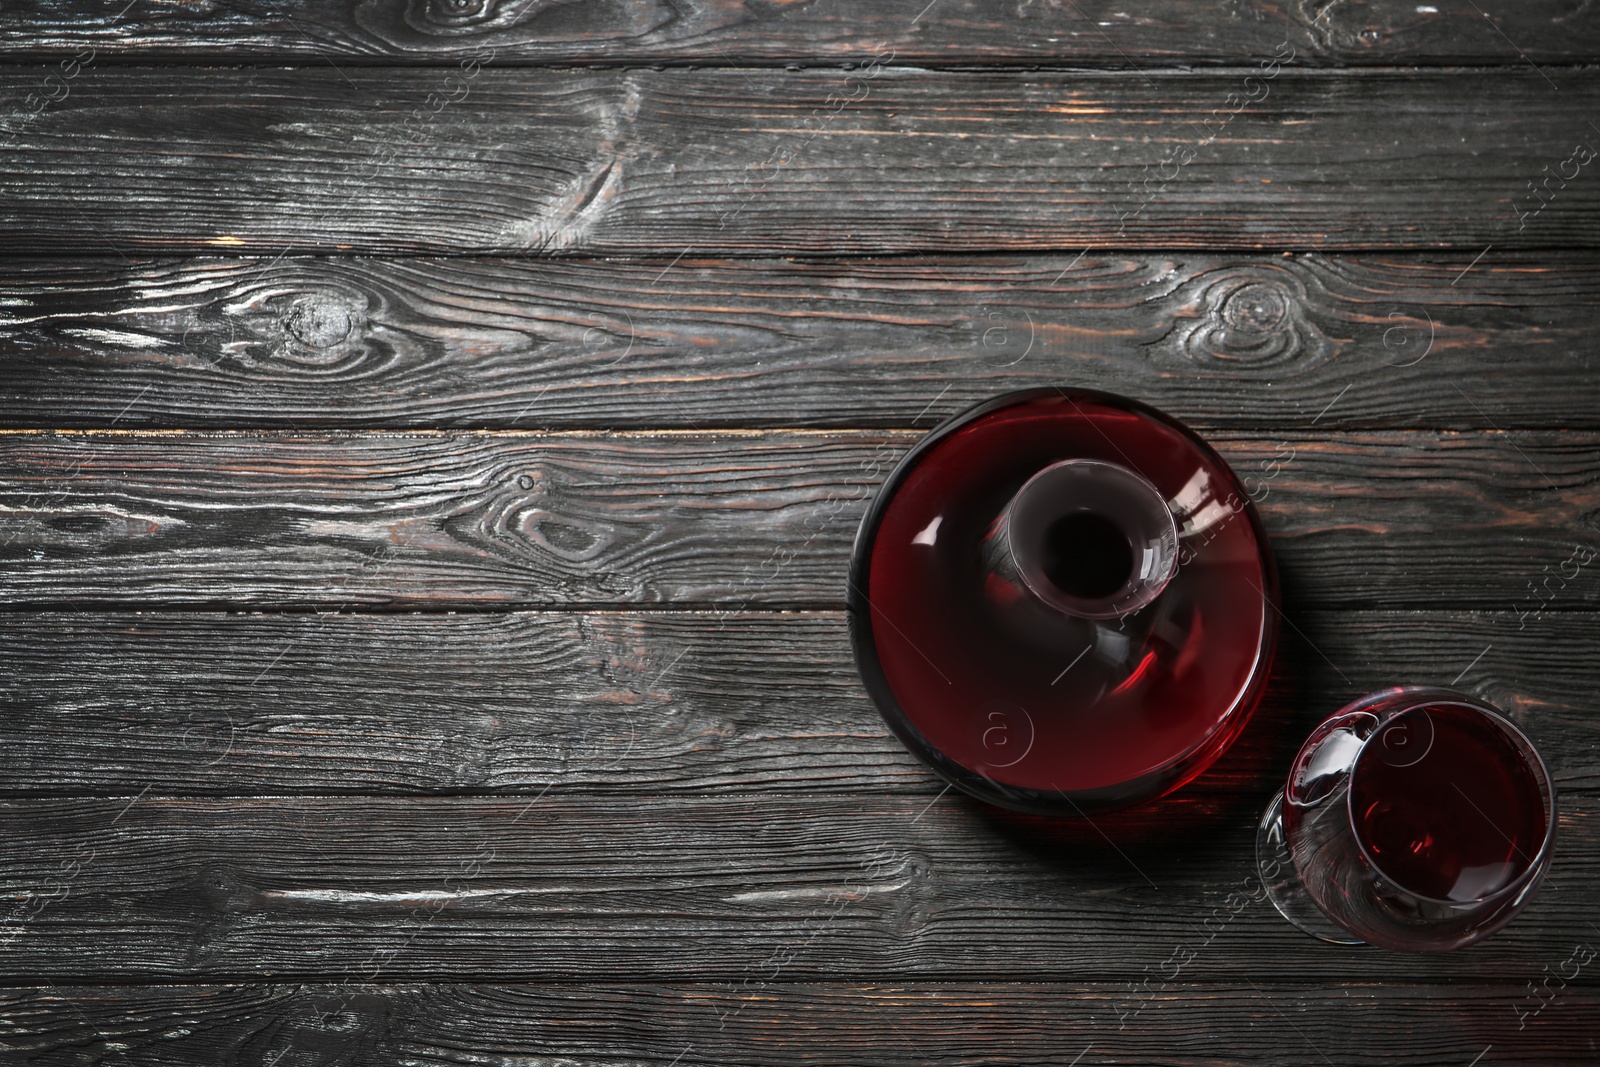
(671, 703)
(740, 31)
(642, 888)
(787, 1025)
(1221, 341)
(753, 162)
(735, 518)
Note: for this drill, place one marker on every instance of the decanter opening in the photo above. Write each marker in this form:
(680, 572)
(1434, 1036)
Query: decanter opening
(1092, 539)
(1086, 556)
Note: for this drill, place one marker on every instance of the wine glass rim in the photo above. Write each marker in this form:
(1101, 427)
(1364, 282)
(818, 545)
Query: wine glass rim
(1420, 698)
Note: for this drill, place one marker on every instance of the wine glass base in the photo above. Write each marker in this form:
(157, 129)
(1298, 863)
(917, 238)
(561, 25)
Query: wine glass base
(1283, 887)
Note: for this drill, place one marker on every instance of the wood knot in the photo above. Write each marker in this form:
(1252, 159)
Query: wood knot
(308, 325)
(227, 891)
(322, 1029)
(568, 538)
(62, 527)
(1256, 309)
(1251, 317)
(318, 322)
(524, 20)
(458, 12)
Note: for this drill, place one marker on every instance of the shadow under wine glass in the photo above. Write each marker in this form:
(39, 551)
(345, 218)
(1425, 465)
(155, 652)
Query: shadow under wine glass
(1416, 819)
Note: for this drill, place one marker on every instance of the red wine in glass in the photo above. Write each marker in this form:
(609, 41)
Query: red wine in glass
(1415, 819)
(1062, 600)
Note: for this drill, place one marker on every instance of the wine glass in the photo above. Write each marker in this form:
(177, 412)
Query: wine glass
(1416, 819)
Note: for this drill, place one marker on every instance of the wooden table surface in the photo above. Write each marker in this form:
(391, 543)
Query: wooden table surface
(432, 434)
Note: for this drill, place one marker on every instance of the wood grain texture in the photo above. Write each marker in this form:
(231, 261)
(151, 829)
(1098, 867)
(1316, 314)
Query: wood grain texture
(725, 301)
(790, 1024)
(967, 32)
(751, 518)
(673, 703)
(554, 887)
(1250, 342)
(754, 162)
